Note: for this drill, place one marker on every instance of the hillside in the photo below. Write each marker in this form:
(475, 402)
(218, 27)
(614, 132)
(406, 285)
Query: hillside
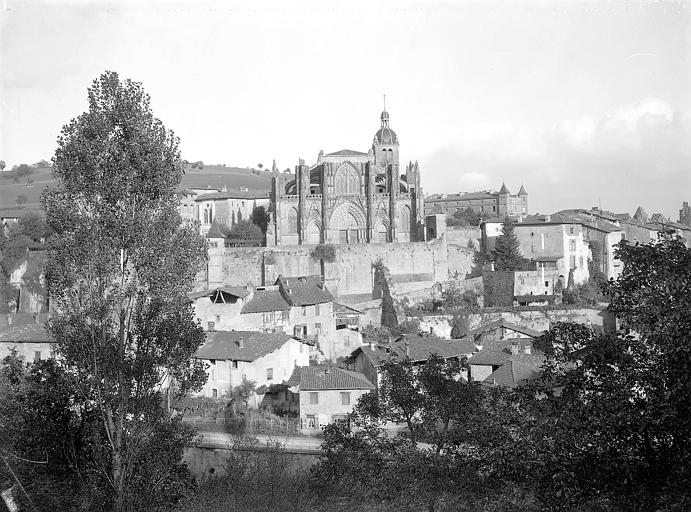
(210, 177)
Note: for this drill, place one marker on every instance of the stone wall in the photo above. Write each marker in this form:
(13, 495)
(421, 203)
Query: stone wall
(537, 318)
(422, 263)
(464, 236)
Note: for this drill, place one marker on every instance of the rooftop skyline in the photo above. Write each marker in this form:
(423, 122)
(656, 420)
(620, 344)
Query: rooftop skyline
(584, 104)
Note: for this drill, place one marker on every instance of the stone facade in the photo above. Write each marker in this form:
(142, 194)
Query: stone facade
(349, 197)
(487, 203)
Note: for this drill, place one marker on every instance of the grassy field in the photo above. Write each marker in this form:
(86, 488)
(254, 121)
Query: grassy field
(211, 177)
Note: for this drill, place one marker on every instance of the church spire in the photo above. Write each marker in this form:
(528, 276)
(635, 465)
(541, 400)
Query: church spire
(384, 116)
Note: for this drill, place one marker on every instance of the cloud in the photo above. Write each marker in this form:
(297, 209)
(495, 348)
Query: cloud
(638, 153)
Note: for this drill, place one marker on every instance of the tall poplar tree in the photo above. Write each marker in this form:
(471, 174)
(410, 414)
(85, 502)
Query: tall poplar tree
(506, 254)
(120, 265)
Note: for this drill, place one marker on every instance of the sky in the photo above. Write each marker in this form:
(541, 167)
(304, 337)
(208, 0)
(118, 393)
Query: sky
(585, 104)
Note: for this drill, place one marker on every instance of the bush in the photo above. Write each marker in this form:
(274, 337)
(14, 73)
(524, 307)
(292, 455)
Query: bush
(325, 253)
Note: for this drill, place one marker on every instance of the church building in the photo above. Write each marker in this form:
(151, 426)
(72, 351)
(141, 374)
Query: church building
(349, 197)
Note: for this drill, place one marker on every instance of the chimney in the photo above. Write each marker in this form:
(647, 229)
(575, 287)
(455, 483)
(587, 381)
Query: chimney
(241, 342)
(514, 348)
(547, 218)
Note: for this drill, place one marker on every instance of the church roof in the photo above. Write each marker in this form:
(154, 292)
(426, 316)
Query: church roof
(522, 191)
(385, 135)
(347, 152)
(503, 189)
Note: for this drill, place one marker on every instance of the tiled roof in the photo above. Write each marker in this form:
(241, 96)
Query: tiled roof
(420, 348)
(347, 152)
(28, 333)
(461, 197)
(304, 291)
(512, 374)
(341, 310)
(233, 194)
(317, 378)
(226, 345)
(237, 291)
(266, 300)
(503, 323)
(489, 358)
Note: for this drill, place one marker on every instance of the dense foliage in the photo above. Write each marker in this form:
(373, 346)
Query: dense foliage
(120, 265)
(606, 427)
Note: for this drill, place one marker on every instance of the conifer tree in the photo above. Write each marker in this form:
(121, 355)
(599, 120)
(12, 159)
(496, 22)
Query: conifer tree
(506, 254)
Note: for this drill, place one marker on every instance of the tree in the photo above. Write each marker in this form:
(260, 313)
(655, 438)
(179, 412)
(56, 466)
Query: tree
(260, 217)
(21, 200)
(506, 254)
(658, 217)
(120, 265)
(619, 428)
(242, 392)
(466, 217)
(2, 165)
(245, 230)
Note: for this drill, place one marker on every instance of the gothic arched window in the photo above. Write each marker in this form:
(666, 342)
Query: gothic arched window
(292, 220)
(347, 181)
(404, 219)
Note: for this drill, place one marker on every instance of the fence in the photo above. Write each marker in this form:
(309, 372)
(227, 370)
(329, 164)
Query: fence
(248, 425)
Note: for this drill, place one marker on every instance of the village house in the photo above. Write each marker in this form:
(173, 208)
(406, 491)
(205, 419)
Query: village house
(512, 374)
(301, 306)
(27, 337)
(498, 342)
(259, 357)
(563, 242)
(418, 348)
(328, 394)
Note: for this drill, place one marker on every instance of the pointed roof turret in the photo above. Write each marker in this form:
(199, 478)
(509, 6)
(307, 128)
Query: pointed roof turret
(274, 167)
(503, 189)
(522, 192)
(640, 215)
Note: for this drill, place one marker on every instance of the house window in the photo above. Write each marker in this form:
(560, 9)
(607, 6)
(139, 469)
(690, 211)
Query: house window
(301, 345)
(235, 365)
(572, 245)
(268, 317)
(214, 393)
(316, 309)
(570, 230)
(212, 362)
(318, 328)
(572, 261)
(580, 262)
(37, 355)
(345, 398)
(346, 340)
(304, 311)
(269, 374)
(285, 316)
(314, 398)
(311, 421)
(546, 283)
